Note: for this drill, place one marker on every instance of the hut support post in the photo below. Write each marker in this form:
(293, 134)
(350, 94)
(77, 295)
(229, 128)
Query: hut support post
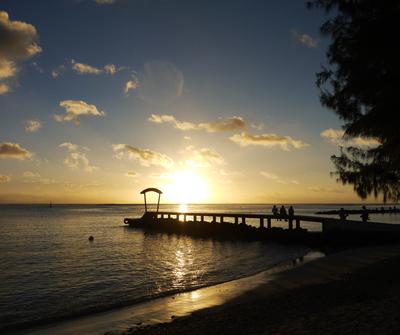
(145, 203)
(158, 202)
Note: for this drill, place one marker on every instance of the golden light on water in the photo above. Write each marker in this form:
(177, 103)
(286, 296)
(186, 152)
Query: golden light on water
(186, 187)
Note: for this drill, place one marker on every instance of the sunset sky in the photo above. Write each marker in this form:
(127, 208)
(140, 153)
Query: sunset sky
(210, 101)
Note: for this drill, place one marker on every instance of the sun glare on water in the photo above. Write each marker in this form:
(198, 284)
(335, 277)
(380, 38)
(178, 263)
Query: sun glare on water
(186, 187)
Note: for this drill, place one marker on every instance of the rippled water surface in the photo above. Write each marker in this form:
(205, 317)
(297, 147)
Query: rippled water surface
(50, 270)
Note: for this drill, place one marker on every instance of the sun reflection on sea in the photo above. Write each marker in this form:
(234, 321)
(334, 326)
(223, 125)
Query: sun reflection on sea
(183, 208)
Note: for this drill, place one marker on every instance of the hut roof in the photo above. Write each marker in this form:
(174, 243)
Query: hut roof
(151, 189)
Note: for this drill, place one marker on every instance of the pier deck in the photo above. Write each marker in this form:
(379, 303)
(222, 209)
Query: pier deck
(265, 220)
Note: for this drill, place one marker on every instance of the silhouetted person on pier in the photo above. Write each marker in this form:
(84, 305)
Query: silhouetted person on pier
(291, 211)
(275, 211)
(364, 215)
(283, 213)
(342, 214)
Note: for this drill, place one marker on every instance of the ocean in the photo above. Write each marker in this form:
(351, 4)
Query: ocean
(49, 270)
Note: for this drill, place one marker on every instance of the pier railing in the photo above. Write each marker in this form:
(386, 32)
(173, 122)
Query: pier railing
(265, 220)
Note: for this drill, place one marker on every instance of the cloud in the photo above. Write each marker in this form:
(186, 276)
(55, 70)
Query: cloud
(110, 69)
(74, 109)
(85, 68)
(204, 157)
(14, 150)
(277, 179)
(58, 71)
(76, 159)
(18, 41)
(229, 124)
(318, 189)
(130, 85)
(4, 179)
(336, 137)
(268, 140)
(32, 126)
(30, 174)
(82, 69)
(4, 88)
(8, 69)
(305, 39)
(132, 174)
(145, 157)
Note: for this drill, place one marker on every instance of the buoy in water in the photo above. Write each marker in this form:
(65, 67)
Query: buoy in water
(91, 238)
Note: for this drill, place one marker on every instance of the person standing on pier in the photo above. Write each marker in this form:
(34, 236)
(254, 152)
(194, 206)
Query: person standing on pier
(342, 214)
(275, 211)
(364, 215)
(283, 213)
(291, 211)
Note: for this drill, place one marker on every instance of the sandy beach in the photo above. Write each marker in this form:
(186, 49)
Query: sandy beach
(350, 292)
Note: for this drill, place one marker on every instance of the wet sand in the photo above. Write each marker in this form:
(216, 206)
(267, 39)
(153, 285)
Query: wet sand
(350, 292)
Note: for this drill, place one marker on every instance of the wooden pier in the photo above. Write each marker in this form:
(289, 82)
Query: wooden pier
(265, 220)
(288, 229)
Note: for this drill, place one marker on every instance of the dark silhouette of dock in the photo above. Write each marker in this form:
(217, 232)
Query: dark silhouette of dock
(234, 226)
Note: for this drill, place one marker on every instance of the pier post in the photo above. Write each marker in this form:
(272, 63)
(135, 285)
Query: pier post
(214, 218)
(222, 219)
(236, 220)
(184, 218)
(297, 223)
(290, 223)
(243, 220)
(202, 218)
(168, 216)
(194, 218)
(269, 223)
(261, 223)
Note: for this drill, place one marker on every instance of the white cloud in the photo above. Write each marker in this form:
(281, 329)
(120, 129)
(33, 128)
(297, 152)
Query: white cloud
(229, 124)
(85, 68)
(4, 179)
(76, 158)
(318, 189)
(145, 157)
(132, 174)
(18, 41)
(4, 88)
(278, 179)
(30, 174)
(268, 140)
(82, 69)
(74, 109)
(14, 150)
(58, 71)
(204, 157)
(32, 126)
(336, 137)
(130, 85)
(305, 39)
(110, 69)
(8, 69)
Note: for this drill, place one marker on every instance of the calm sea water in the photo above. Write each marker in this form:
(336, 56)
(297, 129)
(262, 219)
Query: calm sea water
(49, 269)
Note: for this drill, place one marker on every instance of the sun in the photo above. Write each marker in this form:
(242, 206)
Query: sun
(186, 187)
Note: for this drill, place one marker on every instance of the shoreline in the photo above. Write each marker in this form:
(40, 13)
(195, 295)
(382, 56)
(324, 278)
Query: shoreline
(346, 291)
(161, 309)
